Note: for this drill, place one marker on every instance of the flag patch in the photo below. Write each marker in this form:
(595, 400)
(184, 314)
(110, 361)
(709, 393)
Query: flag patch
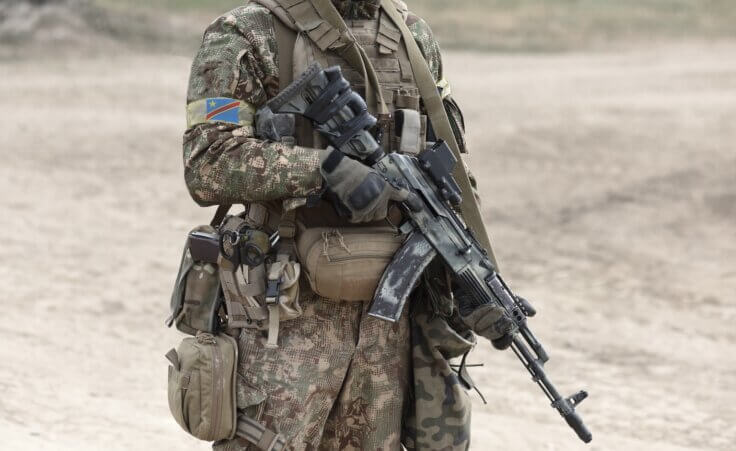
(222, 109)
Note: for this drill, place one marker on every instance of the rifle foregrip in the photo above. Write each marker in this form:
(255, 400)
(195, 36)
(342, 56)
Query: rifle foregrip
(576, 423)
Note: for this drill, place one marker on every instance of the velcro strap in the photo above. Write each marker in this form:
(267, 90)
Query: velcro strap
(220, 109)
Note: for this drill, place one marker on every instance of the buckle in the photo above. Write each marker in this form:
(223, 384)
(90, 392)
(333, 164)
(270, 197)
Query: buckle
(272, 291)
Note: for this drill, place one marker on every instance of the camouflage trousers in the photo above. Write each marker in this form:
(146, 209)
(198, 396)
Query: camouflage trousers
(338, 380)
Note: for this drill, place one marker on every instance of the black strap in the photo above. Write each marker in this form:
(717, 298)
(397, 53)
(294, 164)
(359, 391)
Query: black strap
(220, 214)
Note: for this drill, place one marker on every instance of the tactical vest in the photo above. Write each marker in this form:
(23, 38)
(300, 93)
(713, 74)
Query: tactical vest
(304, 38)
(379, 37)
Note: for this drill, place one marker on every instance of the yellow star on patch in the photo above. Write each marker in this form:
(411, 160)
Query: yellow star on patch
(212, 103)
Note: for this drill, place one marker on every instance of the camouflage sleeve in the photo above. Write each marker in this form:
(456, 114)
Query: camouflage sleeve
(223, 162)
(431, 50)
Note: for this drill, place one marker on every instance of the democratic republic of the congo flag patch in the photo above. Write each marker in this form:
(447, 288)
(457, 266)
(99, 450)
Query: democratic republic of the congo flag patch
(220, 109)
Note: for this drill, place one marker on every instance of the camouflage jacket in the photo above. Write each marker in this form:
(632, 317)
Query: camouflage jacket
(225, 163)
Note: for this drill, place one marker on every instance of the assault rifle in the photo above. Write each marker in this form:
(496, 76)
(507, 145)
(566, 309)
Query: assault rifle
(433, 228)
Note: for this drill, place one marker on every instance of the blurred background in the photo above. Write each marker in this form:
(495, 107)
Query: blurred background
(603, 134)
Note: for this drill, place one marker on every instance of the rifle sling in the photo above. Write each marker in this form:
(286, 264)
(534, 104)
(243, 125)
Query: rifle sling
(441, 125)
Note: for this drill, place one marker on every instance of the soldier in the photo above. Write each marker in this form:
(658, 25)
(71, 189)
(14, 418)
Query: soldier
(337, 378)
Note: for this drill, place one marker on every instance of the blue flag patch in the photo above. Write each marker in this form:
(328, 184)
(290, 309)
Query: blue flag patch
(222, 109)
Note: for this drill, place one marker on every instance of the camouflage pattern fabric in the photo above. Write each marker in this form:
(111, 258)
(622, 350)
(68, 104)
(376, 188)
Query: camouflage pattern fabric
(439, 412)
(439, 417)
(238, 58)
(338, 380)
(226, 163)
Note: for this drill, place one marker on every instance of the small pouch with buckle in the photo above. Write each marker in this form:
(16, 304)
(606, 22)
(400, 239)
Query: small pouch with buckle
(260, 287)
(243, 253)
(196, 299)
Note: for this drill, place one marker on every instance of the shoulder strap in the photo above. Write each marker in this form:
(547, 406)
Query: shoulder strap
(441, 125)
(322, 23)
(285, 40)
(354, 53)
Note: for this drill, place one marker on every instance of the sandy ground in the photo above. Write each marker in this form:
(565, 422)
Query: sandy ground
(608, 185)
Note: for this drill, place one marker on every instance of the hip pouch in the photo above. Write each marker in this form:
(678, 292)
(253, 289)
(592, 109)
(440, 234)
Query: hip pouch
(347, 263)
(233, 277)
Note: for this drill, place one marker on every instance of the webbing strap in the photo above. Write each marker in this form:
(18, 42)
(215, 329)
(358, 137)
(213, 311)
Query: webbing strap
(353, 53)
(285, 40)
(442, 128)
(256, 433)
(220, 214)
(272, 302)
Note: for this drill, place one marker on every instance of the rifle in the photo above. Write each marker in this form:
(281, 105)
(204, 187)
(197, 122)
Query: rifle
(433, 227)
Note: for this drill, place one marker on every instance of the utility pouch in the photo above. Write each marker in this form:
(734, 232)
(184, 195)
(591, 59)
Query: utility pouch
(243, 252)
(346, 263)
(260, 289)
(411, 129)
(202, 379)
(196, 299)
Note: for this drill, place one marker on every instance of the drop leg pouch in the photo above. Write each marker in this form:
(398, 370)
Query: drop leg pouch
(202, 383)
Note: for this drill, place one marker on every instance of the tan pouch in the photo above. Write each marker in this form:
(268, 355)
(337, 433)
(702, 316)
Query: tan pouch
(202, 383)
(196, 299)
(346, 263)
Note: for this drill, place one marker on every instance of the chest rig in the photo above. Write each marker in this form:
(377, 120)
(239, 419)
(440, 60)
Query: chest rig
(401, 126)
(381, 39)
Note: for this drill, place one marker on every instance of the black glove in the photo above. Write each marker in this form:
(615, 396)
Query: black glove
(362, 190)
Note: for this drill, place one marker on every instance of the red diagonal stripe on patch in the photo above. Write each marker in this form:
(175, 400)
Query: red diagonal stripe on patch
(222, 109)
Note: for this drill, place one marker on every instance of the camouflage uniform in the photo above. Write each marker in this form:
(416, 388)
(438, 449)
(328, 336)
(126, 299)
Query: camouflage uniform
(339, 379)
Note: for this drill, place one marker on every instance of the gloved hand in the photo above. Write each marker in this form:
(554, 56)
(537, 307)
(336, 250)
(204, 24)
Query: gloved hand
(492, 322)
(362, 190)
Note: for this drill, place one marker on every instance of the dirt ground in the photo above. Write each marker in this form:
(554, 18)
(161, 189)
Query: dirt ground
(607, 183)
